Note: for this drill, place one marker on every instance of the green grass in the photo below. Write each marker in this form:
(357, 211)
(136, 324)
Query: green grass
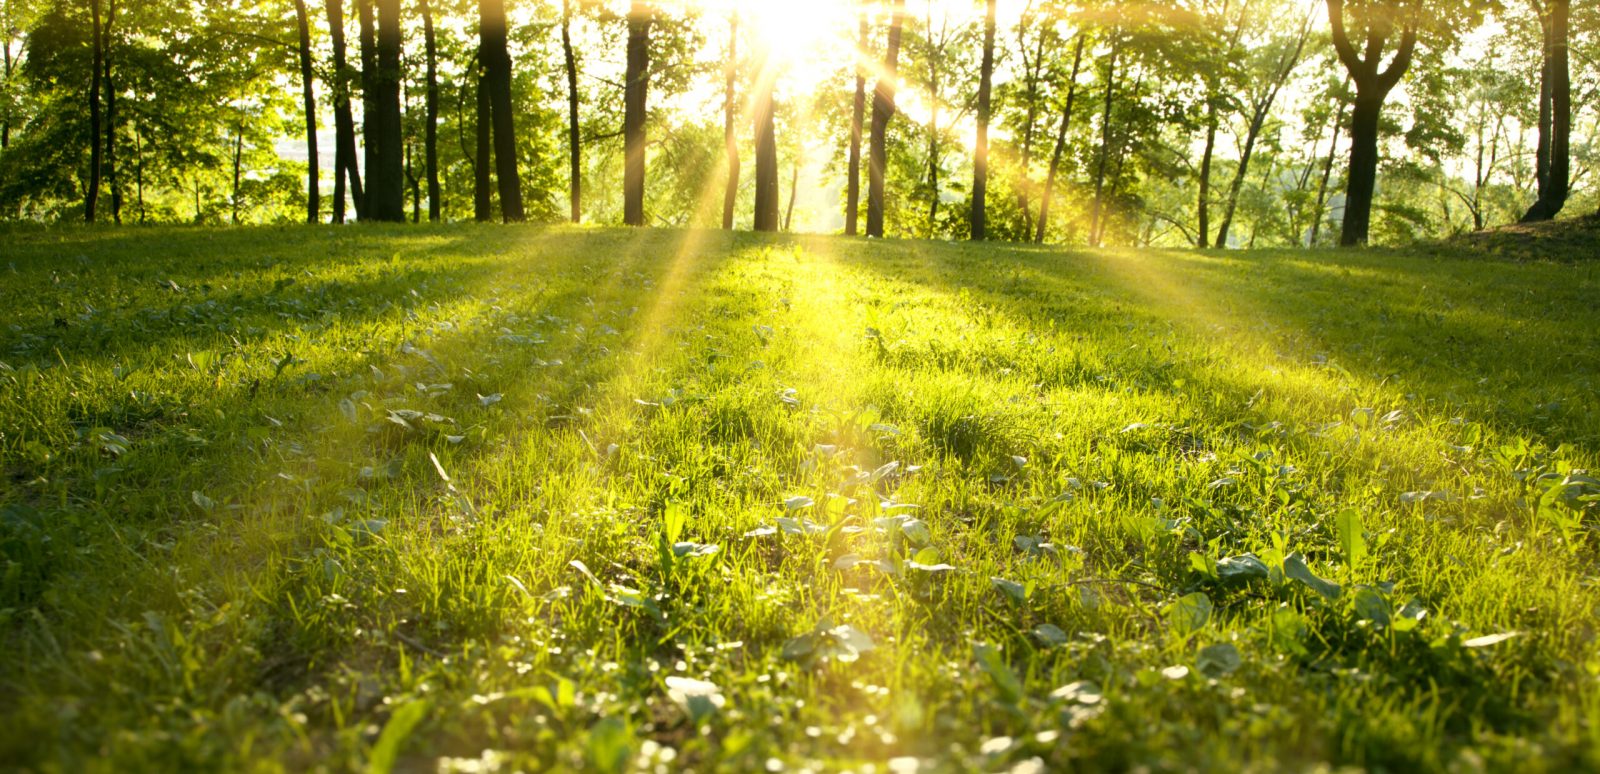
(471, 496)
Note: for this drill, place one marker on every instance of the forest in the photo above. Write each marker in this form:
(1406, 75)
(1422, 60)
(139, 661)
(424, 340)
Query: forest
(877, 386)
(1235, 123)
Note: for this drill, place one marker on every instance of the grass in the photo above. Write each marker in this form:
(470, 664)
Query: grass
(494, 499)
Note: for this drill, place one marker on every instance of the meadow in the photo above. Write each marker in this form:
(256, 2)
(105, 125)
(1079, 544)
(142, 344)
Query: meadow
(478, 498)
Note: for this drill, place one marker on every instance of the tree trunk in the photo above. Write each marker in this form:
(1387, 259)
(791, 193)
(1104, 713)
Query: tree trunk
(1258, 118)
(980, 157)
(730, 136)
(1203, 205)
(483, 155)
(92, 195)
(110, 160)
(882, 112)
(430, 137)
(852, 206)
(1372, 88)
(238, 174)
(766, 216)
(1032, 67)
(370, 141)
(497, 77)
(1327, 174)
(794, 190)
(308, 90)
(1061, 144)
(1555, 116)
(1105, 148)
(344, 127)
(634, 105)
(386, 181)
(574, 142)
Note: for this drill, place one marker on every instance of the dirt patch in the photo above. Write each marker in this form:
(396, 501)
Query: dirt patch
(1566, 240)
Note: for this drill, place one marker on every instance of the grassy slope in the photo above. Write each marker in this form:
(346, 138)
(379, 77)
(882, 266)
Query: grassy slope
(222, 548)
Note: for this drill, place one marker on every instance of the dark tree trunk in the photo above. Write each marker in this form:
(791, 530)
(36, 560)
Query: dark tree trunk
(766, 216)
(634, 105)
(308, 90)
(1372, 88)
(110, 160)
(980, 156)
(1553, 165)
(574, 142)
(1061, 144)
(1203, 205)
(370, 141)
(730, 136)
(344, 127)
(497, 77)
(238, 174)
(91, 197)
(386, 180)
(852, 199)
(1105, 148)
(794, 190)
(483, 157)
(430, 137)
(882, 112)
(5, 121)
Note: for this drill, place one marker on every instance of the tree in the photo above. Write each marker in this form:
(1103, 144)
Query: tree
(635, 96)
(386, 179)
(766, 215)
(344, 153)
(980, 161)
(852, 207)
(308, 88)
(730, 137)
(882, 112)
(497, 81)
(574, 141)
(92, 194)
(1553, 161)
(1105, 145)
(430, 139)
(1061, 141)
(1373, 83)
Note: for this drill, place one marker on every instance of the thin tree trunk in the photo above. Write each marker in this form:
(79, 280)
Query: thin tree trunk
(882, 113)
(730, 137)
(92, 195)
(370, 141)
(110, 160)
(138, 169)
(483, 155)
(1031, 66)
(574, 142)
(238, 166)
(430, 137)
(344, 145)
(5, 120)
(852, 205)
(980, 158)
(1061, 144)
(1258, 119)
(308, 90)
(387, 179)
(635, 103)
(794, 190)
(766, 215)
(1105, 148)
(1327, 172)
(936, 54)
(1555, 116)
(497, 71)
(1203, 205)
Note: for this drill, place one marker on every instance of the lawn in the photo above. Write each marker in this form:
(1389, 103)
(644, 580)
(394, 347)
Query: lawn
(475, 498)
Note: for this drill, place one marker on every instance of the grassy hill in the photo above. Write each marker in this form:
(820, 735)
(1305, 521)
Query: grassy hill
(497, 498)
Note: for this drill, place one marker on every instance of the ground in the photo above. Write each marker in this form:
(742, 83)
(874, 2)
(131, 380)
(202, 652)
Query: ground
(487, 498)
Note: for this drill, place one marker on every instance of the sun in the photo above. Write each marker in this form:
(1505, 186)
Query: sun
(795, 35)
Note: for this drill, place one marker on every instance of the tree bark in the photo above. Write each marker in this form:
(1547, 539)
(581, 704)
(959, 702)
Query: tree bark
(110, 159)
(1553, 165)
(497, 77)
(794, 190)
(766, 215)
(386, 181)
(852, 206)
(1105, 147)
(1372, 88)
(91, 197)
(574, 142)
(483, 155)
(1061, 144)
(368, 52)
(882, 112)
(344, 161)
(730, 136)
(1203, 205)
(634, 105)
(980, 158)
(308, 91)
(430, 137)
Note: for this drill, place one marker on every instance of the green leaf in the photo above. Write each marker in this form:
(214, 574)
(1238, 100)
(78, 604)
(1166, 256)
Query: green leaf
(1016, 591)
(1352, 541)
(1000, 673)
(1242, 569)
(1190, 612)
(610, 746)
(1294, 568)
(1372, 605)
(1218, 660)
(1049, 635)
(387, 749)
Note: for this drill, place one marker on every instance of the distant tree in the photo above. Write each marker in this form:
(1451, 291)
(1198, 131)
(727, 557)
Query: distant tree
(730, 137)
(497, 81)
(91, 197)
(430, 139)
(766, 214)
(980, 159)
(882, 113)
(344, 154)
(308, 89)
(574, 139)
(1061, 141)
(635, 103)
(852, 207)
